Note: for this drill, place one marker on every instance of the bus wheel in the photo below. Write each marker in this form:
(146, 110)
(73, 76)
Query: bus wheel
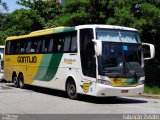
(15, 81)
(21, 81)
(71, 90)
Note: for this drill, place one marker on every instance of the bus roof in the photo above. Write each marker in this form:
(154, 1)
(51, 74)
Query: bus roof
(106, 26)
(43, 32)
(66, 29)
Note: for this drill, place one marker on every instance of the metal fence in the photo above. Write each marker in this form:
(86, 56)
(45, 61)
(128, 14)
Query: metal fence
(152, 74)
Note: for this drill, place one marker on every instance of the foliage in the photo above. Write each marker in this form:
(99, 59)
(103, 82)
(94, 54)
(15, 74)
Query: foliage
(20, 22)
(152, 90)
(76, 12)
(36, 16)
(47, 11)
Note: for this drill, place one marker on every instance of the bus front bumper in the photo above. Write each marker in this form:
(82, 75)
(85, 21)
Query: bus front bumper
(106, 90)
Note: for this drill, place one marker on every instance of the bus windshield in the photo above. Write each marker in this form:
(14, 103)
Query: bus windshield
(120, 59)
(121, 53)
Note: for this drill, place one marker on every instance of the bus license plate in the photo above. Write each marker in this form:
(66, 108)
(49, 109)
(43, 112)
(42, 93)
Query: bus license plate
(124, 91)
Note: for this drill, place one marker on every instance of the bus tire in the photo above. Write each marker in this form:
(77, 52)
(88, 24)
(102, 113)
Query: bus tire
(15, 81)
(21, 81)
(71, 89)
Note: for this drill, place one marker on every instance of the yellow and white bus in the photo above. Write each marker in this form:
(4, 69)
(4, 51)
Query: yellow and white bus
(96, 60)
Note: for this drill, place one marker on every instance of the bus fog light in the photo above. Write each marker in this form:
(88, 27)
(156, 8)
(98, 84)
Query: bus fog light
(105, 82)
(141, 82)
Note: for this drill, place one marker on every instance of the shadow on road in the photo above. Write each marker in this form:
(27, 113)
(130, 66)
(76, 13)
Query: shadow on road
(85, 98)
(111, 100)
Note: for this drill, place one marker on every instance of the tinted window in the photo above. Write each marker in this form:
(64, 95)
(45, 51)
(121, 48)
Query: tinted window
(22, 46)
(74, 43)
(39, 45)
(67, 43)
(15, 47)
(50, 46)
(47, 45)
(57, 43)
(8, 47)
(29, 48)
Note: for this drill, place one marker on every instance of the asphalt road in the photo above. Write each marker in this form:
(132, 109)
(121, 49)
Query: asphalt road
(35, 100)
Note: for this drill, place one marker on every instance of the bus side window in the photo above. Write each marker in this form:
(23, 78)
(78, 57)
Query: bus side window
(39, 46)
(22, 46)
(28, 48)
(8, 47)
(50, 47)
(55, 46)
(17, 47)
(45, 45)
(22, 50)
(12, 51)
(67, 43)
(74, 43)
(34, 47)
(58, 44)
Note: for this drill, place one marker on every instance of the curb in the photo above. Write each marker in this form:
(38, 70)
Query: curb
(151, 96)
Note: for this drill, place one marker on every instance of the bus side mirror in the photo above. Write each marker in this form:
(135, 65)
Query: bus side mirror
(148, 51)
(98, 47)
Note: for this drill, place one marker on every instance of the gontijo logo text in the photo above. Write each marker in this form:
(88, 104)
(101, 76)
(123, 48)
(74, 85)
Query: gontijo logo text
(26, 59)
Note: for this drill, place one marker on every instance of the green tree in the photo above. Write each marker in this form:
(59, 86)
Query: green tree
(3, 16)
(76, 12)
(20, 22)
(36, 16)
(47, 11)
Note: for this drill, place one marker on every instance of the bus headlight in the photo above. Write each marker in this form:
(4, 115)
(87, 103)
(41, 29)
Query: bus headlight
(141, 82)
(105, 82)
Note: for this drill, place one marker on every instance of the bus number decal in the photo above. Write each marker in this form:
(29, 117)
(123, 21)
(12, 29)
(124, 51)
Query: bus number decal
(69, 61)
(27, 59)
